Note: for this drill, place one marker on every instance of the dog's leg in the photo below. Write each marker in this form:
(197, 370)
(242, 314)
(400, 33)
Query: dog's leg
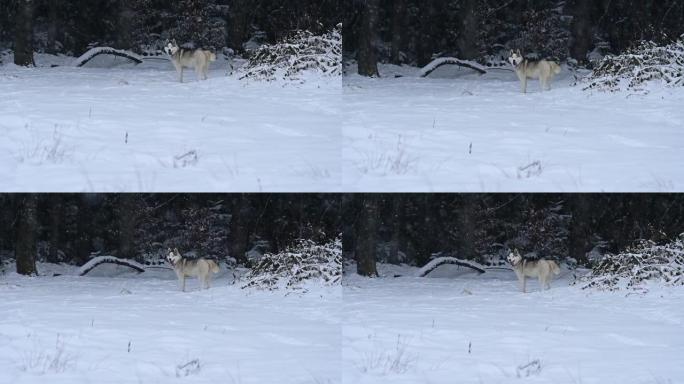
(181, 74)
(183, 283)
(524, 284)
(524, 85)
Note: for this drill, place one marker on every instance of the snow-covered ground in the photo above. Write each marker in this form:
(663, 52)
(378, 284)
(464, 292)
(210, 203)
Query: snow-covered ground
(470, 328)
(459, 131)
(136, 128)
(141, 329)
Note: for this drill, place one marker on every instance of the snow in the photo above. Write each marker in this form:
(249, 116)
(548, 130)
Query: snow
(472, 328)
(113, 126)
(140, 328)
(460, 131)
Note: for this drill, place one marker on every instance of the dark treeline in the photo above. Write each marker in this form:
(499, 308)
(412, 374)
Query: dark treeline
(71, 227)
(414, 31)
(409, 229)
(63, 26)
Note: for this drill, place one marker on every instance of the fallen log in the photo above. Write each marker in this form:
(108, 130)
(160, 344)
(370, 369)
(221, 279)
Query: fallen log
(436, 63)
(94, 262)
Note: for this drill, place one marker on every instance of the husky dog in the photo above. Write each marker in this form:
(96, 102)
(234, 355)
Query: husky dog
(542, 269)
(192, 267)
(543, 70)
(181, 58)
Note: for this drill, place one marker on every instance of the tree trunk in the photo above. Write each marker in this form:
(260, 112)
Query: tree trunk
(580, 42)
(366, 232)
(425, 37)
(83, 230)
(367, 57)
(125, 24)
(27, 232)
(23, 42)
(468, 226)
(238, 25)
(56, 218)
(127, 212)
(579, 237)
(470, 29)
(398, 30)
(52, 28)
(239, 232)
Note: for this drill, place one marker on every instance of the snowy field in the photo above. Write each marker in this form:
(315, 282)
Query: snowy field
(480, 329)
(458, 131)
(142, 329)
(136, 128)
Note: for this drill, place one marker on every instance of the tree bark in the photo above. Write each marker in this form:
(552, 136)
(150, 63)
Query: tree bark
(23, 42)
(125, 24)
(579, 237)
(127, 212)
(56, 218)
(27, 233)
(239, 231)
(468, 37)
(468, 226)
(398, 30)
(238, 25)
(53, 27)
(580, 42)
(366, 232)
(367, 57)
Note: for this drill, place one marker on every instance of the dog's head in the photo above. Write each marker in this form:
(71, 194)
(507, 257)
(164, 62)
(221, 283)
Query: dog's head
(174, 256)
(514, 257)
(171, 47)
(515, 58)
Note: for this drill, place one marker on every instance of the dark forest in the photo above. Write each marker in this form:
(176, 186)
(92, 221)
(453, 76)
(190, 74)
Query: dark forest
(416, 31)
(406, 228)
(71, 228)
(71, 27)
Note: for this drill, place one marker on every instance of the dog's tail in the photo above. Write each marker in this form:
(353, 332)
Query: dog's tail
(555, 68)
(555, 268)
(213, 266)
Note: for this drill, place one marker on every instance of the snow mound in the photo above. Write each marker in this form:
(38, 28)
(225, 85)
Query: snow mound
(635, 267)
(635, 69)
(302, 263)
(303, 53)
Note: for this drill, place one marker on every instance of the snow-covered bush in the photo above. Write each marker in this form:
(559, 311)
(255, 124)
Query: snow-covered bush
(303, 262)
(644, 262)
(293, 57)
(637, 67)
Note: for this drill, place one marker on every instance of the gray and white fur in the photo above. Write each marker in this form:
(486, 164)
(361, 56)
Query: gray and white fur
(199, 59)
(541, 269)
(544, 70)
(184, 267)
